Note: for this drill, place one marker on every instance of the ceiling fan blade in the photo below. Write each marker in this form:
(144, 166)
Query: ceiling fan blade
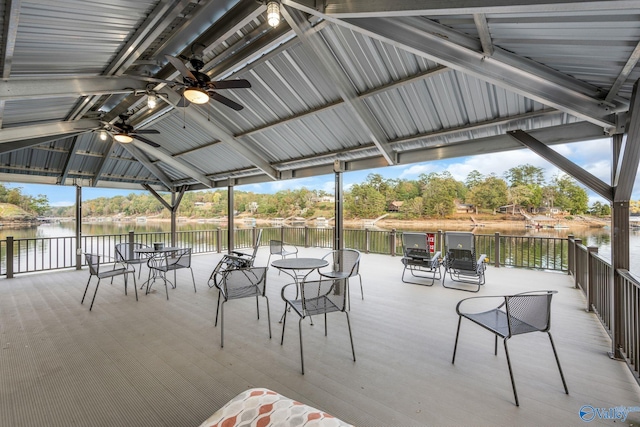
(179, 65)
(230, 84)
(145, 140)
(146, 131)
(226, 101)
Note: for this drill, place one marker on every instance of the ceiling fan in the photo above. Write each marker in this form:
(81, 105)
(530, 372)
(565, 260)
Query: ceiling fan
(198, 87)
(124, 133)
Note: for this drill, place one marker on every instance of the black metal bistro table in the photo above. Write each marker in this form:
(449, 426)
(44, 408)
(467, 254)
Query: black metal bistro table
(299, 269)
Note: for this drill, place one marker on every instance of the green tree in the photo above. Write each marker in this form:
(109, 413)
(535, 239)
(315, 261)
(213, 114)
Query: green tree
(525, 175)
(491, 193)
(569, 195)
(365, 201)
(473, 178)
(439, 193)
(412, 209)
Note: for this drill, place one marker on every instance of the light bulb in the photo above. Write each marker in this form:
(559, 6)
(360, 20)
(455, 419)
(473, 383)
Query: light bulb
(103, 135)
(152, 100)
(273, 13)
(196, 95)
(123, 138)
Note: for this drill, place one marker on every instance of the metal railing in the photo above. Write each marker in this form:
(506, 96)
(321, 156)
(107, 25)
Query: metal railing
(40, 254)
(595, 276)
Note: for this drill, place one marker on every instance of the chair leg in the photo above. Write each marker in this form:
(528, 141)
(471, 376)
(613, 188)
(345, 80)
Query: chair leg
(85, 290)
(268, 316)
(222, 325)
(555, 353)
(194, 280)
(301, 352)
(94, 295)
(135, 285)
(513, 383)
(361, 292)
(325, 324)
(353, 351)
(284, 321)
(257, 307)
(455, 346)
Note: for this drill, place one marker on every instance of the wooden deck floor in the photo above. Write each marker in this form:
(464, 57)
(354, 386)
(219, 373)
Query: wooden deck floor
(159, 363)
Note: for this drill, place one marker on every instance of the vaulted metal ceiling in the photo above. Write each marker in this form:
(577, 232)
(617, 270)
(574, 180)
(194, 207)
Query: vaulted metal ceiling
(367, 83)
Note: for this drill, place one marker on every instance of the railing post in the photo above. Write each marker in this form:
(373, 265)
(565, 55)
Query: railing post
(496, 250)
(9, 257)
(571, 252)
(306, 236)
(439, 243)
(219, 240)
(576, 261)
(254, 241)
(591, 276)
(392, 242)
(282, 234)
(367, 236)
(130, 240)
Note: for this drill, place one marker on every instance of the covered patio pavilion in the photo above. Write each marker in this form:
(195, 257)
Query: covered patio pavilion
(158, 362)
(337, 86)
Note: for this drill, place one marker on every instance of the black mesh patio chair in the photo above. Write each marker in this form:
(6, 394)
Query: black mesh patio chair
(418, 259)
(232, 261)
(316, 297)
(277, 247)
(515, 315)
(171, 261)
(95, 269)
(126, 253)
(241, 283)
(343, 264)
(461, 263)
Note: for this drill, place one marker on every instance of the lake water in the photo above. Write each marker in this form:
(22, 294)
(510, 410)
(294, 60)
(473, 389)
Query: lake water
(599, 237)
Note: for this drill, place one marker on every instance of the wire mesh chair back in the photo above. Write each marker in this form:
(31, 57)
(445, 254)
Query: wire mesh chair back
(322, 296)
(276, 247)
(529, 312)
(125, 252)
(344, 261)
(182, 258)
(93, 261)
(244, 283)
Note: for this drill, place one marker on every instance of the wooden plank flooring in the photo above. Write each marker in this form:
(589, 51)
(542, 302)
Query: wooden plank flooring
(159, 363)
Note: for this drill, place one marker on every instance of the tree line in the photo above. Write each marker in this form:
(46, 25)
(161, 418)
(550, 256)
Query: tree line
(433, 195)
(37, 205)
(436, 195)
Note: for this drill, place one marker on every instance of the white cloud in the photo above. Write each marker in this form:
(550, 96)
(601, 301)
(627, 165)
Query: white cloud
(414, 171)
(61, 203)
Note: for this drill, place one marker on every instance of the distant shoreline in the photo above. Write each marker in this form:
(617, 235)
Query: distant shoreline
(427, 224)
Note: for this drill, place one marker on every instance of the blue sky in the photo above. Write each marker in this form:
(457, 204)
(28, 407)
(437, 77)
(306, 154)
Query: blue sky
(594, 156)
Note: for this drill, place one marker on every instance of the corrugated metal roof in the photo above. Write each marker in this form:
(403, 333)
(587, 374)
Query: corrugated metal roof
(296, 117)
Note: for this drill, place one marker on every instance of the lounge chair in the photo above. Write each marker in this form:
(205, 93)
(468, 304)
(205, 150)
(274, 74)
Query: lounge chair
(461, 263)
